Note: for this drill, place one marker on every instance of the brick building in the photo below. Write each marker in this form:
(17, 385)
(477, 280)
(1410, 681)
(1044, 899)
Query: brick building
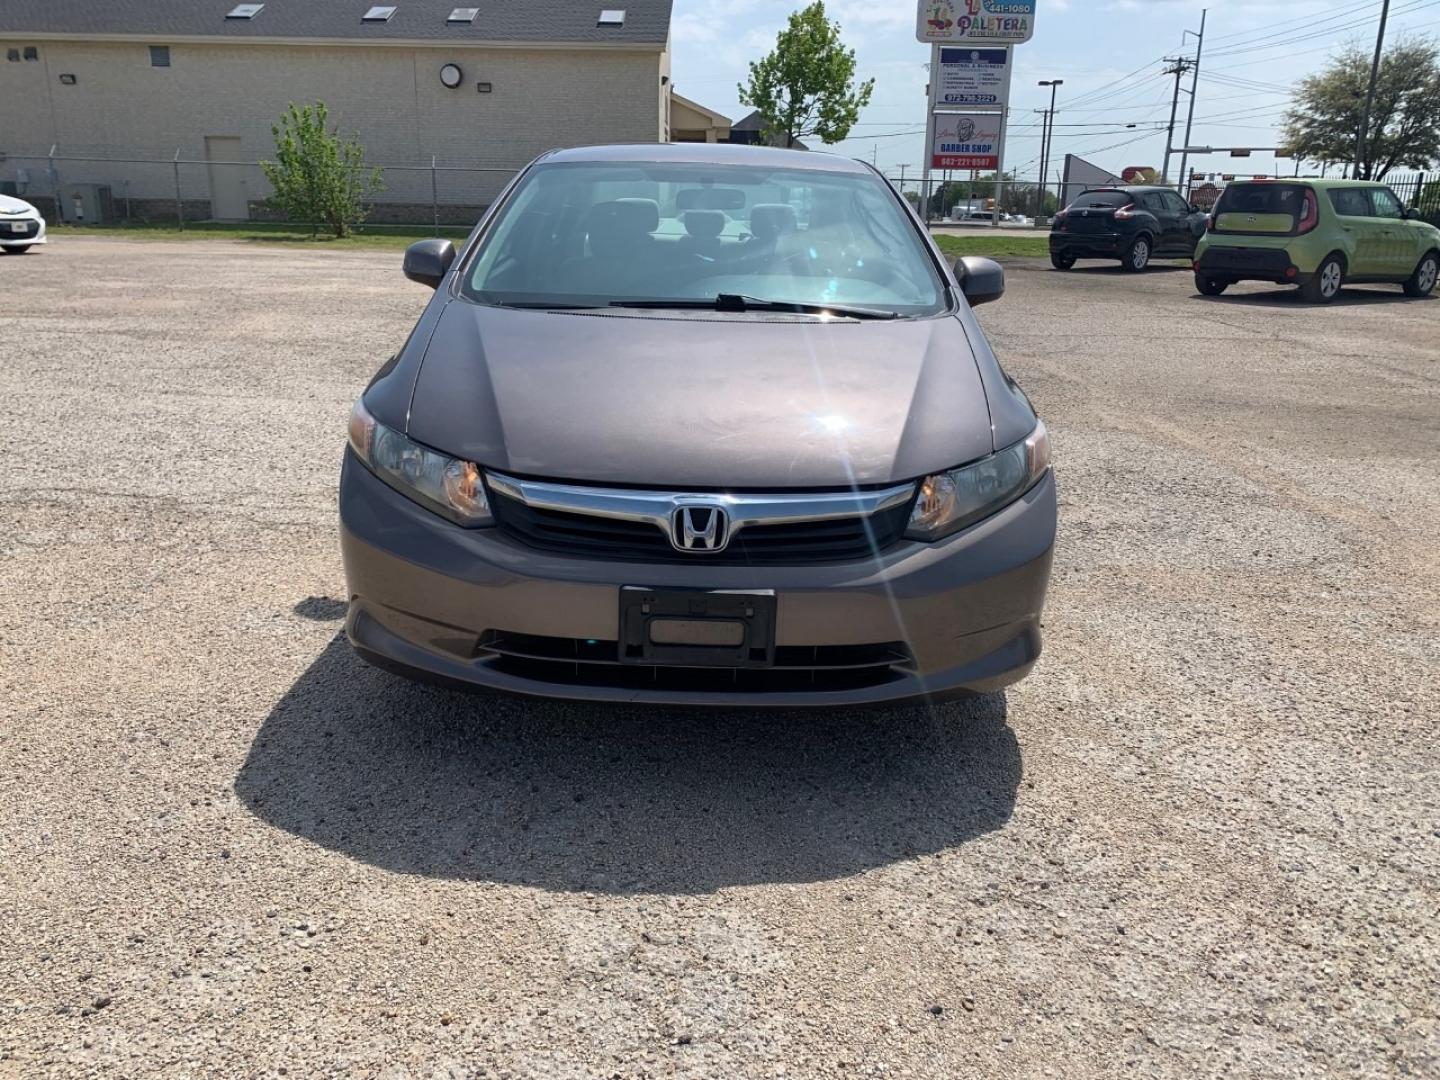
(477, 87)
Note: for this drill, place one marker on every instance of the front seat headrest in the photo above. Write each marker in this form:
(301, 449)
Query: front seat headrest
(704, 224)
(769, 220)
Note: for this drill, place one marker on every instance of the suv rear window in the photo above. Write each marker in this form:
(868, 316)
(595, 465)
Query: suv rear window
(1260, 208)
(1102, 200)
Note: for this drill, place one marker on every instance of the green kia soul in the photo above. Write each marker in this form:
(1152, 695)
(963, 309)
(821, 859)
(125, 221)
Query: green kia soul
(1317, 234)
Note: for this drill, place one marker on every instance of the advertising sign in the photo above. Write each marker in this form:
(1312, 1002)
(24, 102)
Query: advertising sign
(973, 77)
(1140, 174)
(966, 141)
(978, 22)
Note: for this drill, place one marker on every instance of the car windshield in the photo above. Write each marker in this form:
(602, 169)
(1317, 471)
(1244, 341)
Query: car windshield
(595, 234)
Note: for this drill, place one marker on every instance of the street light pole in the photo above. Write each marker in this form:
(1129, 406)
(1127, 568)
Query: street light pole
(1047, 134)
(1361, 150)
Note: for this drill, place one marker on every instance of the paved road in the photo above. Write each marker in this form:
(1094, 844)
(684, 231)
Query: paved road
(1202, 840)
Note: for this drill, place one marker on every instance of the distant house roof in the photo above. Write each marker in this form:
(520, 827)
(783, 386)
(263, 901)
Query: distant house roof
(701, 111)
(645, 22)
(750, 131)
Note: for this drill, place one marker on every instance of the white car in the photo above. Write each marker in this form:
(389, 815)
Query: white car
(21, 226)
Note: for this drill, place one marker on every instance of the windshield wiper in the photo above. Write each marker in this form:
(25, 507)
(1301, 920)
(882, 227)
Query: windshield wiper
(737, 302)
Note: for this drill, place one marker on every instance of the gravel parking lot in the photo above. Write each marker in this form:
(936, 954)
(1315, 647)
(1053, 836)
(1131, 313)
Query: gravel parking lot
(1203, 839)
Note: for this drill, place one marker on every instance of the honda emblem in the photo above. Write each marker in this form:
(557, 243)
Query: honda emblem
(699, 528)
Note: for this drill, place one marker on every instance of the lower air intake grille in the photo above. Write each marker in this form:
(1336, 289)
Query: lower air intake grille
(798, 668)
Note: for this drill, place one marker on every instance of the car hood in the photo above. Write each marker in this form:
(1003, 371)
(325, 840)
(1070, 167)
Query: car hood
(9, 205)
(700, 400)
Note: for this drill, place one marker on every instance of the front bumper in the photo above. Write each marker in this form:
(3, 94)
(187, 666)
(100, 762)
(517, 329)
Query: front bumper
(34, 232)
(1106, 245)
(426, 597)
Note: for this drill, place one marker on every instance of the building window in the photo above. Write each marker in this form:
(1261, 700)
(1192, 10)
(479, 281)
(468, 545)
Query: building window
(159, 55)
(32, 53)
(12, 55)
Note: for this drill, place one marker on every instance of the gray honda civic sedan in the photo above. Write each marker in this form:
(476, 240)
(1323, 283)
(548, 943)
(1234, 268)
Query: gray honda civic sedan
(699, 424)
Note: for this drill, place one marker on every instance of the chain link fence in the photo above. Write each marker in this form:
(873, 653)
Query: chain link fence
(132, 189)
(438, 194)
(1012, 202)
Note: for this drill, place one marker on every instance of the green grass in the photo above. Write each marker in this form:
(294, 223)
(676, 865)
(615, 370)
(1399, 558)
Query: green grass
(1001, 244)
(374, 236)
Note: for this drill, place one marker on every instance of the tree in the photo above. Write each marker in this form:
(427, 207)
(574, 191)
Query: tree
(319, 177)
(806, 85)
(1323, 122)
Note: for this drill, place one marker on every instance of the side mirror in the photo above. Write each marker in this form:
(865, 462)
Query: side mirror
(1195, 208)
(1414, 214)
(981, 280)
(427, 261)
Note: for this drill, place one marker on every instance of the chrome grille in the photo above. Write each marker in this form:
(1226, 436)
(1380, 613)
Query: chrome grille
(618, 523)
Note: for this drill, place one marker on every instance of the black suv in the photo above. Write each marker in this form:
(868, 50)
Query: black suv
(1132, 224)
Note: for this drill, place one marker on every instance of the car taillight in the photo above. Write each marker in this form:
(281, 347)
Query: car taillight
(1210, 223)
(1309, 213)
(1126, 212)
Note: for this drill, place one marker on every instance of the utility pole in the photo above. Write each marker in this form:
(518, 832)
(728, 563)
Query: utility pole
(1194, 90)
(1046, 135)
(1361, 150)
(902, 178)
(1178, 66)
(1044, 153)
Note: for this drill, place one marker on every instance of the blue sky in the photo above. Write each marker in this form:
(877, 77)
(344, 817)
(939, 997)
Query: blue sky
(1254, 51)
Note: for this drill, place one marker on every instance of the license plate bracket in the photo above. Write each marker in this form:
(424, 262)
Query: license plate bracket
(697, 627)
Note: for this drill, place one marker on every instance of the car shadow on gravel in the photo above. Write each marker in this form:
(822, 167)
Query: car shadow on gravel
(1116, 270)
(1280, 296)
(442, 783)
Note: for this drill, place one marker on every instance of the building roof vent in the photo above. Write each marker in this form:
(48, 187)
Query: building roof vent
(463, 15)
(378, 14)
(244, 11)
(612, 17)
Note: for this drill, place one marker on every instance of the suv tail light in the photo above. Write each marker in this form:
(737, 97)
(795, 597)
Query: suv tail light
(1126, 212)
(1210, 221)
(1309, 213)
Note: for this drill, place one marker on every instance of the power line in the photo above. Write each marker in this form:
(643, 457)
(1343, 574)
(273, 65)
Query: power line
(1412, 7)
(1084, 98)
(1283, 22)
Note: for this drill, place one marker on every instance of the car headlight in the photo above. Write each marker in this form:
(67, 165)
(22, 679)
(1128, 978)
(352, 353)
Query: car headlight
(447, 485)
(951, 501)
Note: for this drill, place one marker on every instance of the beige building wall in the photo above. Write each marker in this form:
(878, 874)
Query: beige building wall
(391, 96)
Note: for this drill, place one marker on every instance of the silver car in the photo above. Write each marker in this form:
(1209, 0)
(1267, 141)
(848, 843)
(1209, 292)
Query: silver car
(21, 226)
(699, 424)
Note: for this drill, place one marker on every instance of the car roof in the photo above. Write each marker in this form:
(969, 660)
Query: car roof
(705, 154)
(1311, 181)
(1128, 189)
